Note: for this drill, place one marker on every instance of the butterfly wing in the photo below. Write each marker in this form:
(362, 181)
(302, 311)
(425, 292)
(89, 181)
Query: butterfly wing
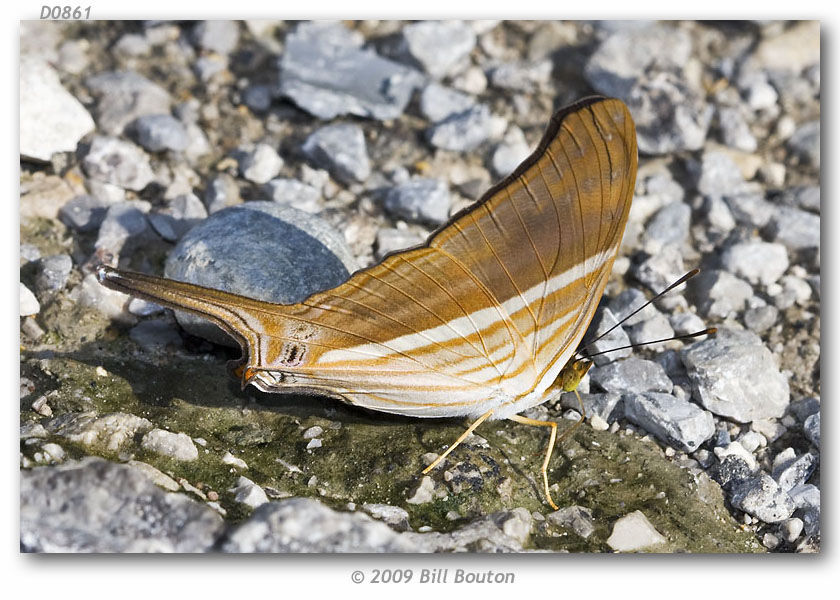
(486, 311)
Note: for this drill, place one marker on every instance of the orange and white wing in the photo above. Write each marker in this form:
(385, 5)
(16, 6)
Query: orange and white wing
(487, 311)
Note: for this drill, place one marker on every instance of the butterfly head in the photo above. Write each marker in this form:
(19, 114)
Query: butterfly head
(571, 374)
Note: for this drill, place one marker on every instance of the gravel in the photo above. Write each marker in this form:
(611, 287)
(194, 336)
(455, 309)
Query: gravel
(274, 158)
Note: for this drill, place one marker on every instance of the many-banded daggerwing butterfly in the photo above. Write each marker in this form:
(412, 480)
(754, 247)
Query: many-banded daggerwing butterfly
(480, 321)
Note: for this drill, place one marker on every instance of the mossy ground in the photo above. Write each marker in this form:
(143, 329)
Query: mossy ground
(368, 457)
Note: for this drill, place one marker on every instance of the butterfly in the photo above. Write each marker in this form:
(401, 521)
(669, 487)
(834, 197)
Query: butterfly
(482, 320)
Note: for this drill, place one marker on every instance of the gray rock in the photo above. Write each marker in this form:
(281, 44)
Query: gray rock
(294, 193)
(811, 519)
(421, 200)
(217, 36)
(656, 328)
(806, 197)
(392, 240)
(53, 273)
(221, 192)
(750, 210)
(504, 531)
(84, 213)
(175, 445)
(628, 301)
(290, 256)
(510, 153)
(805, 496)
(181, 214)
(125, 225)
(155, 335)
(718, 215)
(341, 149)
(577, 518)
(734, 129)
(661, 269)
(118, 162)
(626, 55)
(631, 375)
(812, 429)
(29, 304)
(718, 294)
(111, 431)
(261, 164)
(258, 97)
(804, 408)
(157, 133)
(670, 117)
(306, 525)
(795, 471)
(123, 97)
(761, 318)
(790, 529)
(249, 493)
(797, 229)
(608, 406)
(805, 143)
(718, 175)
(634, 532)
(51, 119)
(603, 321)
(795, 290)
(325, 72)
(207, 67)
(133, 44)
(686, 322)
(394, 516)
(762, 498)
(791, 49)
(756, 261)
(734, 375)
(29, 253)
(676, 422)
(522, 76)
(438, 102)
(97, 506)
(732, 470)
(111, 303)
(668, 226)
(462, 131)
(440, 47)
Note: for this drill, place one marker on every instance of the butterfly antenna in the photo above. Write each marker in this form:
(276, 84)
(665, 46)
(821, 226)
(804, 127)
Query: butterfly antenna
(679, 281)
(685, 336)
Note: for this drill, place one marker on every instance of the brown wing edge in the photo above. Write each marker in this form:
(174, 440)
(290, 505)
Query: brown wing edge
(548, 136)
(219, 306)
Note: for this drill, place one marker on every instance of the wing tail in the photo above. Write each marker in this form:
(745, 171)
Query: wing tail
(236, 315)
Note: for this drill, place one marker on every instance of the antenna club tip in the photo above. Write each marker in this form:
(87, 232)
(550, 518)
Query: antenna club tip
(102, 272)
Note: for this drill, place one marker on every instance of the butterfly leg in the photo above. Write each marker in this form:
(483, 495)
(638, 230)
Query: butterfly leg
(464, 435)
(551, 441)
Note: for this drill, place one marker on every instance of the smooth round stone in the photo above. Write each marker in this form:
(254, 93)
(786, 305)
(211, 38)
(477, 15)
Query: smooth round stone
(261, 250)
